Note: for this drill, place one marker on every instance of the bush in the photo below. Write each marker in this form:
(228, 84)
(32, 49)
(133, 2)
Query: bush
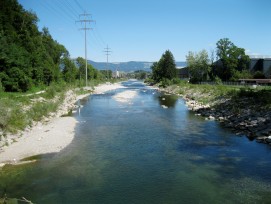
(15, 80)
(258, 75)
(176, 81)
(41, 109)
(55, 88)
(165, 82)
(12, 117)
(244, 74)
(2, 89)
(149, 81)
(218, 81)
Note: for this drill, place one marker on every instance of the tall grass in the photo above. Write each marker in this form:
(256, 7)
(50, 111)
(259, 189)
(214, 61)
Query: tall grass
(18, 110)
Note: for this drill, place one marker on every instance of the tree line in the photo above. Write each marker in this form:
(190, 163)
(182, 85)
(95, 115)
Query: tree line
(29, 57)
(231, 64)
(227, 63)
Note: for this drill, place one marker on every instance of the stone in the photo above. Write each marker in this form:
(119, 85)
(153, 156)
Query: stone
(268, 139)
(211, 117)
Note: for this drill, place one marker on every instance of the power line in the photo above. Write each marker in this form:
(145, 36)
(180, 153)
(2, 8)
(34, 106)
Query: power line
(107, 53)
(85, 28)
(79, 5)
(70, 8)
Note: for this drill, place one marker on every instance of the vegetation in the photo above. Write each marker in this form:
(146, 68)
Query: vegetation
(141, 74)
(164, 69)
(232, 58)
(21, 110)
(32, 61)
(232, 64)
(92, 73)
(198, 65)
(28, 57)
(31, 58)
(211, 94)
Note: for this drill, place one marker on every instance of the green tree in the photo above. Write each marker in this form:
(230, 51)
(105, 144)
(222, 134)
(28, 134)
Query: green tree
(35, 55)
(92, 73)
(244, 74)
(105, 74)
(198, 65)
(155, 72)
(165, 68)
(70, 72)
(232, 58)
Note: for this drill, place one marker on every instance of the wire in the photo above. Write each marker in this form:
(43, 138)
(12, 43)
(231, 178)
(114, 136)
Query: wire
(77, 3)
(69, 11)
(69, 8)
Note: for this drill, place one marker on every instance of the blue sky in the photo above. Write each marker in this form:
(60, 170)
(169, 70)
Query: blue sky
(142, 30)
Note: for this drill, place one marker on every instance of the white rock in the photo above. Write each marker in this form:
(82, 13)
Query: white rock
(211, 117)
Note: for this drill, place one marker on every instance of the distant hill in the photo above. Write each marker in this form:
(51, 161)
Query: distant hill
(127, 66)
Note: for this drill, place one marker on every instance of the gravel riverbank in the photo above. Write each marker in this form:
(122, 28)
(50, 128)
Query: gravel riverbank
(51, 135)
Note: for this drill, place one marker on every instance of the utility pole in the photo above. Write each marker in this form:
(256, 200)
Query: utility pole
(85, 20)
(107, 53)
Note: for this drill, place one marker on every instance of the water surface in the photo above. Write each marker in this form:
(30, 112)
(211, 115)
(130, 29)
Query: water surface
(147, 148)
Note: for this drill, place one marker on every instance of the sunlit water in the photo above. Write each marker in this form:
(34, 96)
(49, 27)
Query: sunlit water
(145, 147)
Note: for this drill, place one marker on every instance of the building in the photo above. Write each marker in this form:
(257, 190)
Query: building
(262, 64)
(116, 74)
(182, 72)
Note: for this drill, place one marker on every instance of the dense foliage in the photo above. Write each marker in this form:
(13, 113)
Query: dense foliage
(165, 68)
(29, 57)
(198, 65)
(233, 59)
(232, 63)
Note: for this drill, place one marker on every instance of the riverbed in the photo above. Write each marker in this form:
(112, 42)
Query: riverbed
(137, 145)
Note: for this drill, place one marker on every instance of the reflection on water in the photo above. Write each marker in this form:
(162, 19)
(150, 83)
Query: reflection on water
(139, 152)
(167, 100)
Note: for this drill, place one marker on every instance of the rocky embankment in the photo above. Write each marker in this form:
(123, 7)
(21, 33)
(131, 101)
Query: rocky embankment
(243, 117)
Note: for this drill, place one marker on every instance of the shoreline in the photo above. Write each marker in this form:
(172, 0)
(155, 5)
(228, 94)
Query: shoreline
(51, 136)
(242, 118)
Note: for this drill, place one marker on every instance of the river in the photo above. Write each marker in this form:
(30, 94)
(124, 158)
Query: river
(137, 145)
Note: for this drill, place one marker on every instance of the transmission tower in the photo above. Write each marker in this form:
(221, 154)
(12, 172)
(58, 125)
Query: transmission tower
(85, 21)
(107, 53)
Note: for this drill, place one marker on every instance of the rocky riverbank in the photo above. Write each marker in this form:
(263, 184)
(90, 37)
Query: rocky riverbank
(246, 115)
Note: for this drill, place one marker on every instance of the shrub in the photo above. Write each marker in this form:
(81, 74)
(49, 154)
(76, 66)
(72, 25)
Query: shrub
(41, 109)
(218, 80)
(165, 82)
(258, 75)
(176, 81)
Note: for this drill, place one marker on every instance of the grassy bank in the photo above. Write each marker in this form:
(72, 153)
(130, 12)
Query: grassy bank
(22, 110)
(214, 94)
(245, 110)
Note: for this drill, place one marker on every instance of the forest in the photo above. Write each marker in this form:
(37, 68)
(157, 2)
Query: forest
(31, 58)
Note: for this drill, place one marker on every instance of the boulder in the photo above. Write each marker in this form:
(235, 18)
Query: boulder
(211, 117)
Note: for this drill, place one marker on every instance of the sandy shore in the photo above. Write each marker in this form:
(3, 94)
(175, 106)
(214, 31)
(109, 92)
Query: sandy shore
(50, 137)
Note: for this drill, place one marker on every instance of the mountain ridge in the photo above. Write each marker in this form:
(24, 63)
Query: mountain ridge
(127, 66)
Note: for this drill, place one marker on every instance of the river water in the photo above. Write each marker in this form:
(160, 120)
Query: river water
(136, 145)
